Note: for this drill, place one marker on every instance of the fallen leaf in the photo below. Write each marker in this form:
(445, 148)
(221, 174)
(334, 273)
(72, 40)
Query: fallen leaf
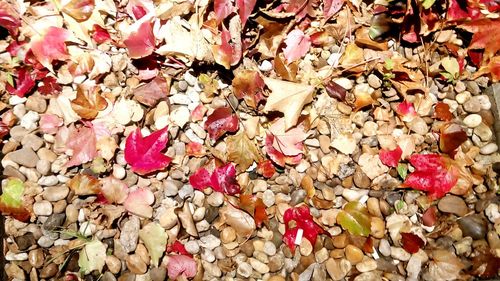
(458, 10)
(49, 86)
(11, 200)
(138, 202)
(335, 91)
(51, 46)
(222, 179)
(296, 218)
(152, 92)
(485, 36)
(82, 143)
(245, 8)
(411, 242)
(88, 103)
(297, 45)
(485, 264)
(83, 184)
(143, 154)
(492, 68)
(181, 265)
(222, 120)
(331, 7)
(442, 112)
(80, 10)
(100, 35)
(9, 18)
(141, 42)
(226, 54)
(155, 240)
(241, 221)
(407, 111)
(114, 190)
(248, 85)
(24, 83)
(355, 218)
(451, 137)
(436, 174)
(92, 257)
(352, 59)
(287, 142)
(222, 9)
(242, 151)
(266, 168)
(429, 218)
(288, 98)
(390, 157)
(255, 207)
(277, 156)
(178, 248)
(444, 266)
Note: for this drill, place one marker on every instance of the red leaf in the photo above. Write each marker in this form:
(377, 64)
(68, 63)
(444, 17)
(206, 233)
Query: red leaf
(198, 113)
(390, 157)
(245, 8)
(278, 157)
(222, 179)
(434, 173)
(82, 142)
(266, 168)
(50, 123)
(303, 220)
(4, 130)
(411, 242)
(335, 91)
(442, 112)
(181, 265)
(297, 45)
(459, 9)
(100, 34)
(451, 137)
(141, 43)
(222, 120)
(406, 111)
(222, 9)
(9, 18)
(152, 92)
(51, 46)
(49, 86)
(24, 83)
(178, 248)
(429, 217)
(331, 7)
(144, 153)
(485, 36)
(139, 202)
(226, 54)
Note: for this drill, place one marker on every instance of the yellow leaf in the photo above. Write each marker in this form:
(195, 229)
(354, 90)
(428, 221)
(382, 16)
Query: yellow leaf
(242, 151)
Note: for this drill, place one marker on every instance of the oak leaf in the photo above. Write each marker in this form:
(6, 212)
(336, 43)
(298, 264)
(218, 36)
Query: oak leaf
(288, 98)
(242, 151)
(143, 154)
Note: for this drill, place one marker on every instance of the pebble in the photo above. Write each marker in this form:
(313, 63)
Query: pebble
(490, 148)
(130, 234)
(269, 248)
(190, 78)
(42, 208)
(48, 181)
(114, 264)
(192, 247)
(306, 247)
(29, 120)
(24, 156)
(49, 270)
(374, 81)
(483, 132)
(472, 105)
(384, 247)
(36, 258)
(268, 198)
(344, 83)
(400, 254)
(244, 269)
(366, 265)
(54, 221)
(209, 242)
(338, 268)
(10, 256)
(186, 191)
(158, 274)
(135, 264)
(265, 66)
(463, 97)
(45, 242)
(228, 235)
(474, 226)
(119, 172)
(259, 266)
(484, 101)
(473, 120)
(344, 143)
(32, 141)
(419, 126)
(353, 254)
(43, 167)
(454, 205)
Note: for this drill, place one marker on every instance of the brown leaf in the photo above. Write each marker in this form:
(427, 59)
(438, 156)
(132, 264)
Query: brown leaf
(242, 151)
(336, 91)
(248, 85)
(352, 59)
(88, 103)
(152, 92)
(255, 207)
(442, 112)
(83, 184)
(452, 136)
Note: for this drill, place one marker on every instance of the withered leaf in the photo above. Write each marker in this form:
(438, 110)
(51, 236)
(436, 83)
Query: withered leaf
(242, 151)
(88, 103)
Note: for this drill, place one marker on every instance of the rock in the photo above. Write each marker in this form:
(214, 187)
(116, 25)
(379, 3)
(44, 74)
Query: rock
(114, 264)
(371, 165)
(353, 194)
(474, 226)
(119, 172)
(25, 156)
(170, 188)
(130, 234)
(366, 265)
(18, 133)
(377, 227)
(472, 105)
(418, 126)
(338, 268)
(45, 242)
(483, 132)
(244, 269)
(268, 198)
(136, 265)
(259, 266)
(454, 205)
(43, 167)
(344, 83)
(321, 255)
(374, 81)
(490, 148)
(269, 248)
(36, 103)
(228, 235)
(344, 143)
(473, 120)
(49, 270)
(32, 141)
(384, 247)
(42, 208)
(107, 276)
(48, 181)
(55, 193)
(54, 221)
(25, 241)
(158, 274)
(168, 218)
(209, 242)
(484, 101)
(353, 254)
(276, 262)
(215, 199)
(305, 247)
(361, 179)
(400, 254)
(186, 191)
(192, 247)
(10, 171)
(36, 258)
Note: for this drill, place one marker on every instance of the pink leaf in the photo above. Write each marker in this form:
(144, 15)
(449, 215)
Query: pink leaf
(290, 142)
(25, 82)
(406, 110)
(141, 43)
(100, 34)
(245, 8)
(138, 202)
(181, 265)
(50, 123)
(51, 46)
(391, 157)
(114, 190)
(201, 179)
(302, 220)
(297, 45)
(152, 92)
(222, 179)
(222, 120)
(198, 113)
(9, 18)
(82, 142)
(144, 153)
(223, 53)
(331, 7)
(222, 9)
(278, 157)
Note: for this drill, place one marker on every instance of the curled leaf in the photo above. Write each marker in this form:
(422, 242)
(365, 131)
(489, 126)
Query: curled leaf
(141, 43)
(87, 104)
(300, 218)
(451, 137)
(411, 242)
(181, 265)
(222, 179)
(391, 157)
(242, 151)
(355, 218)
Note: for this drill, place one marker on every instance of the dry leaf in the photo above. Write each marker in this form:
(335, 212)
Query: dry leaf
(88, 103)
(242, 151)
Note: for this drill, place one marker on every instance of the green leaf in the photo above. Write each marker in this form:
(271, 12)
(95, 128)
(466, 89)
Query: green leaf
(10, 80)
(355, 219)
(155, 240)
(451, 66)
(12, 194)
(389, 64)
(402, 170)
(428, 3)
(92, 257)
(449, 77)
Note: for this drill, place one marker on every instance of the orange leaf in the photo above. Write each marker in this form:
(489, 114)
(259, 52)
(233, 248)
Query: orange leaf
(88, 103)
(248, 85)
(442, 112)
(452, 136)
(485, 36)
(255, 207)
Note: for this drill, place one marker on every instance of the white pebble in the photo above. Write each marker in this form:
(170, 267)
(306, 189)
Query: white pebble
(119, 172)
(15, 100)
(266, 66)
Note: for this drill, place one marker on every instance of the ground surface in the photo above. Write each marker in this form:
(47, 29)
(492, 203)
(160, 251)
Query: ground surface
(235, 140)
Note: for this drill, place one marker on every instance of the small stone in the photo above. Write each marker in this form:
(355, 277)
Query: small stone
(268, 198)
(130, 234)
(400, 254)
(114, 264)
(474, 226)
(490, 148)
(209, 242)
(340, 241)
(49, 270)
(190, 78)
(374, 81)
(107, 276)
(265, 66)
(48, 181)
(472, 105)
(344, 143)
(10, 171)
(371, 165)
(353, 254)
(36, 103)
(259, 266)
(25, 241)
(269, 248)
(244, 269)
(29, 120)
(454, 205)
(36, 258)
(87, 229)
(366, 265)
(353, 194)
(338, 268)
(54, 221)
(228, 235)
(119, 172)
(344, 83)
(136, 265)
(305, 247)
(43, 167)
(384, 247)
(25, 156)
(45, 242)
(158, 274)
(483, 132)
(484, 101)
(419, 126)
(42, 208)
(321, 255)
(192, 247)
(473, 120)
(32, 141)
(55, 193)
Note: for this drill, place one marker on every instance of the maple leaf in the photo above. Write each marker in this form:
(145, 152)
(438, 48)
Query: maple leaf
(11, 200)
(222, 120)
(297, 45)
(331, 7)
(407, 111)
(82, 142)
(287, 142)
(390, 157)
(411, 242)
(436, 174)
(255, 207)
(485, 36)
(459, 9)
(248, 85)
(139, 202)
(181, 265)
(242, 151)
(51, 46)
(88, 103)
(296, 218)
(492, 68)
(222, 8)
(266, 168)
(226, 54)
(143, 154)
(100, 34)
(9, 18)
(245, 8)
(451, 137)
(24, 83)
(222, 179)
(141, 42)
(152, 92)
(277, 156)
(442, 112)
(288, 98)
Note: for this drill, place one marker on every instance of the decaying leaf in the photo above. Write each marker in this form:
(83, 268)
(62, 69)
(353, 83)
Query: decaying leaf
(222, 120)
(82, 143)
(114, 190)
(83, 184)
(451, 137)
(88, 103)
(92, 257)
(222, 179)
(297, 45)
(139, 202)
(411, 242)
(242, 151)
(444, 265)
(152, 92)
(181, 265)
(11, 200)
(391, 157)
(355, 218)
(51, 46)
(442, 112)
(241, 221)
(248, 85)
(255, 207)
(155, 240)
(141, 42)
